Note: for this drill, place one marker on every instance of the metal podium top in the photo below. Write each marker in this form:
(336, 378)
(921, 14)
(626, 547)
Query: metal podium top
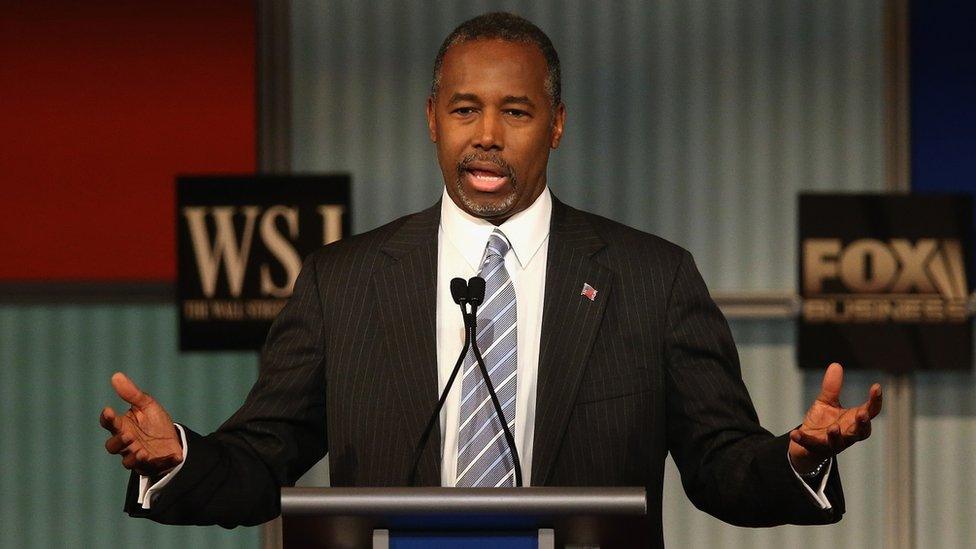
(542, 500)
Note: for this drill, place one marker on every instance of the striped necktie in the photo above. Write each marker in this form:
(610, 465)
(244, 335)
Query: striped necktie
(484, 458)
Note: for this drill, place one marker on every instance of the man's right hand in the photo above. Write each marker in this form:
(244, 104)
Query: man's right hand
(145, 436)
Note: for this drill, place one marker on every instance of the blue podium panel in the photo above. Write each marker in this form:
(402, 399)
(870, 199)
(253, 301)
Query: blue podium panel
(464, 540)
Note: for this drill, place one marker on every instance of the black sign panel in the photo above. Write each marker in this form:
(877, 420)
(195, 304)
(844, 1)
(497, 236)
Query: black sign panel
(884, 282)
(241, 241)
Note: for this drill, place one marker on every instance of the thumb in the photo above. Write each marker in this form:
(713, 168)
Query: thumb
(833, 380)
(129, 392)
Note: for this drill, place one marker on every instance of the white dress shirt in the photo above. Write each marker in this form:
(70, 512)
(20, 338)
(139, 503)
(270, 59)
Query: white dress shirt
(462, 239)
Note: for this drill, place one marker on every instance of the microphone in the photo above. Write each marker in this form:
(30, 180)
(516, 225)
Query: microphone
(459, 292)
(476, 295)
(476, 291)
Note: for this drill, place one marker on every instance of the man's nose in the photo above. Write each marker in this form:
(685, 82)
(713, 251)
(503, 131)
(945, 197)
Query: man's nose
(491, 135)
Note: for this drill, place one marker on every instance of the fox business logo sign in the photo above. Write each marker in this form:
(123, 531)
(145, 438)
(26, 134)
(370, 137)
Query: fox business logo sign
(898, 280)
(884, 281)
(240, 244)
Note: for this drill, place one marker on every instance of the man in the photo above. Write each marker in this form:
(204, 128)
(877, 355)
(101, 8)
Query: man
(603, 344)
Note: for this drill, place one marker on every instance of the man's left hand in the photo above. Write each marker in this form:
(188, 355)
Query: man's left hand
(828, 428)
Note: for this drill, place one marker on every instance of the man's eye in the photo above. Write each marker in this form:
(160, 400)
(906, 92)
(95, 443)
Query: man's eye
(463, 111)
(517, 113)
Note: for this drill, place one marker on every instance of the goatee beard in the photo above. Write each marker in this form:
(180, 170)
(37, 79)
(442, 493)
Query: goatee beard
(491, 209)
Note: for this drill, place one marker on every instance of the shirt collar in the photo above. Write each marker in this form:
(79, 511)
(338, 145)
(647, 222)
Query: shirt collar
(526, 230)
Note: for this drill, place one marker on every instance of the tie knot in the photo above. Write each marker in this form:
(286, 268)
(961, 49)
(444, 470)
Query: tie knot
(497, 244)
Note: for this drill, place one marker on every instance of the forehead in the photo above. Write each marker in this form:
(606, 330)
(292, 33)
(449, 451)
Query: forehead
(491, 66)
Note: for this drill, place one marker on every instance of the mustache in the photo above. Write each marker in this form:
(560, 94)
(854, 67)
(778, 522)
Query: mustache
(498, 161)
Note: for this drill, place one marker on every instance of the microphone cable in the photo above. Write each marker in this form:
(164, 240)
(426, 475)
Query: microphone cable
(459, 291)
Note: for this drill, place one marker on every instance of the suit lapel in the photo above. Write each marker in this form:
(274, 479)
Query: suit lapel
(570, 322)
(406, 288)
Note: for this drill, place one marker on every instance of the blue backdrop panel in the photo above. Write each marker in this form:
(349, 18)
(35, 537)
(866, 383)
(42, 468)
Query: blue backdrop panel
(943, 96)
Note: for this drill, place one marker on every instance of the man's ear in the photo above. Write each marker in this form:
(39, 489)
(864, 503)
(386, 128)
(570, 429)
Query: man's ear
(558, 120)
(431, 119)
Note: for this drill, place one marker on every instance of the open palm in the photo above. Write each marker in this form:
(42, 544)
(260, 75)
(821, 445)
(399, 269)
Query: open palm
(144, 436)
(828, 428)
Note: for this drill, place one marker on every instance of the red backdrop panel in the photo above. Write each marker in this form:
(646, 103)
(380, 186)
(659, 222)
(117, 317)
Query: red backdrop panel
(101, 105)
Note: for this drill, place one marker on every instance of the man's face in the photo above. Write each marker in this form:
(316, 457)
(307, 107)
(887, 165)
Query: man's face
(494, 124)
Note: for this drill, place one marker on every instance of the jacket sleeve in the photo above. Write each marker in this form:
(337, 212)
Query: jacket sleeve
(730, 466)
(233, 476)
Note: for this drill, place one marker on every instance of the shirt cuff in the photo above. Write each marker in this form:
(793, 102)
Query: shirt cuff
(149, 489)
(819, 496)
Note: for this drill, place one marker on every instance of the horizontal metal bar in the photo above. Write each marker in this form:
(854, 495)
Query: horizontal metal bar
(86, 292)
(550, 501)
(782, 304)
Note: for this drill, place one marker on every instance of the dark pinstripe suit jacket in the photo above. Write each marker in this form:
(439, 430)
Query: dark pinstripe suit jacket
(647, 367)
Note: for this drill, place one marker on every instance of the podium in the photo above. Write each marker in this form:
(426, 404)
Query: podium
(402, 518)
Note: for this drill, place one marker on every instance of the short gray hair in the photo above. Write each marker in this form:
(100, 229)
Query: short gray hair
(509, 27)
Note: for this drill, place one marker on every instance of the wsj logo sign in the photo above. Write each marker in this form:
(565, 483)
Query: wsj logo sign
(870, 280)
(884, 281)
(233, 251)
(241, 241)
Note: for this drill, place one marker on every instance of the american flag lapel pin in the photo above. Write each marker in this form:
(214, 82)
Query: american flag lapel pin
(589, 292)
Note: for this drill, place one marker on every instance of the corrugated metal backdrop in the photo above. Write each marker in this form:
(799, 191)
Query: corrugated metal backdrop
(58, 487)
(697, 120)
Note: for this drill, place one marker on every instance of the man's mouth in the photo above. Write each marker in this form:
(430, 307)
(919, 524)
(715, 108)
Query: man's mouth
(485, 176)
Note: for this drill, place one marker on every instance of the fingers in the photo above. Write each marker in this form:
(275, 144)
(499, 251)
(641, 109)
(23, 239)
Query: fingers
(829, 441)
(129, 392)
(116, 444)
(797, 436)
(860, 427)
(109, 421)
(864, 428)
(862, 423)
(808, 440)
(134, 456)
(142, 463)
(874, 401)
(113, 424)
(130, 460)
(834, 438)
(870, 409)
(835, 441)
(833, 381)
